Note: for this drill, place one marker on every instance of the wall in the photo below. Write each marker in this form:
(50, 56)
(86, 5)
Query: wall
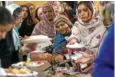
(36, 3)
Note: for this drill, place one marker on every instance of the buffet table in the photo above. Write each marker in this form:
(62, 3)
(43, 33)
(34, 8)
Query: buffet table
(42, 73)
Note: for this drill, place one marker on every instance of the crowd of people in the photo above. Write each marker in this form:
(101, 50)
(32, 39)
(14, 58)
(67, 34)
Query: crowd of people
(66, 26)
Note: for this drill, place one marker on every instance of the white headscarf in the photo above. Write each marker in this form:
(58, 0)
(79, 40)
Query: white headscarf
(95, 16)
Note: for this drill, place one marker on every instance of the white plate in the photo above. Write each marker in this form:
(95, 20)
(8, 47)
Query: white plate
(36, 39)
(76, 45)
(76, 56)
(32, 64)
(38, 51)
(3, 72)
(23, 75)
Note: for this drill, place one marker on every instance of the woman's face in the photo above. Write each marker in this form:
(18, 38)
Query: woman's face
(48, 12)
(24, 9)
(62, 28)
(32, 9)
(66, 6)
(18, 19)
(57, 7)
(40, 14)
(84, 13)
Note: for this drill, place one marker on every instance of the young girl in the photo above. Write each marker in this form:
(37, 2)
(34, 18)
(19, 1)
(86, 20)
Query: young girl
(88, 30)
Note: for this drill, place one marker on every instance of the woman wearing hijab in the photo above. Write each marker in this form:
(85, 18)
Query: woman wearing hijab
(46, 25)
(63, 30)
(88, 30)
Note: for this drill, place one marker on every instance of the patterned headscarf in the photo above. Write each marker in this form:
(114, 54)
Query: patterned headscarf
(92, 8)
(63, 18)
(45, 27)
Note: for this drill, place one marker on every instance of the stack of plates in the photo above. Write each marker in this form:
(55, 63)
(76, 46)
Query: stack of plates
(36, 39)
(76, 45)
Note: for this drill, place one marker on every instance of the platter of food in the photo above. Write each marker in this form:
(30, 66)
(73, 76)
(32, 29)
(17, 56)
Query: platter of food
(20, 72)
(28, 64)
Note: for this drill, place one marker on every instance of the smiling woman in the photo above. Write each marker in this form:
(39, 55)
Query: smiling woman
(63, 30)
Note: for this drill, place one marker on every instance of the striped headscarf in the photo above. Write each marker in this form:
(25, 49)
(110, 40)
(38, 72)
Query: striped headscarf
(60, 18)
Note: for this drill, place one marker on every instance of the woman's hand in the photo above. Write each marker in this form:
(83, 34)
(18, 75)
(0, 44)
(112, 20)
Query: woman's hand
(29, 47)
(83, 60)
(41, 56)
(59, 58)
(72, 41)
(48, 57)
(86, 58)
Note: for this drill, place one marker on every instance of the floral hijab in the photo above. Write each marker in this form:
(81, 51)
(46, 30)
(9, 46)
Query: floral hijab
(90, 34)
(95, 16)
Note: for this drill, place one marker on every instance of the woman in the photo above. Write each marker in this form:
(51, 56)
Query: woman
(32, 8)
(46, 26)
(63, 30)
(17, 14)
(58, 8)
(38, 14)
(25, 10)
(27, 24)
(88, 30)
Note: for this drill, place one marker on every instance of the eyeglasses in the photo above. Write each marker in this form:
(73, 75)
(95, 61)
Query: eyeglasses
(24, 10)
(19, 17)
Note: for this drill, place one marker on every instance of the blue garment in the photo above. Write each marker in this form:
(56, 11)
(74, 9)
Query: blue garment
(16, 37)
(16, 40)
(59, 42)
(17, 28)
(104, 63)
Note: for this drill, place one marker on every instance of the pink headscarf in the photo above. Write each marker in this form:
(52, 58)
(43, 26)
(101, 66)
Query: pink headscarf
(45, 27)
